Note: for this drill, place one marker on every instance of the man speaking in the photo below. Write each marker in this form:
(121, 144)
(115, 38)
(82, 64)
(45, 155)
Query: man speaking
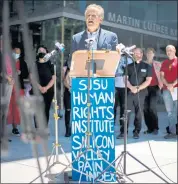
(103, 39)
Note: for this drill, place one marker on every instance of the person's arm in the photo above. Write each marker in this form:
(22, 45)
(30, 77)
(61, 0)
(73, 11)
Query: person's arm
(157, 68)
(51, 82)
(32, 80)
(63, 72)
(163, 79)
(170, 86)
(129, 85)
(114, 41)
(145, 84)
(160, 84)
(9, 79)
(126, 76)
(23, 69)
(175, 82)
(66, 81)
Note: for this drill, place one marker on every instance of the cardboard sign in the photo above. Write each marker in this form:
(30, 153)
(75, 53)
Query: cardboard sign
(101, 126)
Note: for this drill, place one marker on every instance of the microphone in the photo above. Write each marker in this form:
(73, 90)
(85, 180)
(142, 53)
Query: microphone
(58, 47)
(49, 55)
(128, 49)
(124, 49)
(90, 40)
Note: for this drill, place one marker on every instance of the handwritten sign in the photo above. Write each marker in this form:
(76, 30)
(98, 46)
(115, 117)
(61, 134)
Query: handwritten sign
(101, 126)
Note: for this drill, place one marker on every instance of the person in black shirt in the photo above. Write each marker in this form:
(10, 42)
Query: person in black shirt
(67, 97)
(67, 102)
(46, 80)
(138, 85)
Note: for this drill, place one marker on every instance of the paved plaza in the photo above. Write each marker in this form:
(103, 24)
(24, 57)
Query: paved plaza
(20, 166)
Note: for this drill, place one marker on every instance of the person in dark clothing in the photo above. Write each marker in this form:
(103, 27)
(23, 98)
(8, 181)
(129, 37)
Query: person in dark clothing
(144, 76)
(47, 79)
(67, 102)
(150, 105)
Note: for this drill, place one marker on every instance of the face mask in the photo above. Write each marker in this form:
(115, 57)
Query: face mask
(15, 56)
(41, 55)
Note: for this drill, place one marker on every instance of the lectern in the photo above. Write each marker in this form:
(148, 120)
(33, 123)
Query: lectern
(92, 115)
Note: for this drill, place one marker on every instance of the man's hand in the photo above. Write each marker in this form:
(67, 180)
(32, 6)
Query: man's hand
(43, 89)
(170, 87)
(120, 47)
(18, 72)
(134, 89)
(160, 85)
(10, 80)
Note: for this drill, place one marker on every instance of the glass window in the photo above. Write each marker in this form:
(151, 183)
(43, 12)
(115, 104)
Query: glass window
(51, 32)
(40, 6)
(136, 39)
(162, 45)
(167, 19)
(73, 4)
(151, 12)
(138, 9)
(117, 7)
(16, 36)
(150, 41)
(71, 27)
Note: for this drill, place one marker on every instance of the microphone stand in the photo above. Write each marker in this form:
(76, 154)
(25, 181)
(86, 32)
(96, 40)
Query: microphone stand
(56, 145)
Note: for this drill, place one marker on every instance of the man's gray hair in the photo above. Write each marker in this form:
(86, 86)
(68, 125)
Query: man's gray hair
(98, 8)
(170, 46)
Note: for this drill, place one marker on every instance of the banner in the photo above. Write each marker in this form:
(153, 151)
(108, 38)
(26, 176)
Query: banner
(101, 127)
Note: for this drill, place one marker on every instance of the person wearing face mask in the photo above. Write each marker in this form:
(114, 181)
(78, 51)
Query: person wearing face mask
(103, 39)
(47, 79)
(22, 71)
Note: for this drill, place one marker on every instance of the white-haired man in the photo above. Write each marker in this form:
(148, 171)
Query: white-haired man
(169, 77)
(103, 39)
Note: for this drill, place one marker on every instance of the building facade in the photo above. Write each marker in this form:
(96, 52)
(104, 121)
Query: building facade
(142, 23)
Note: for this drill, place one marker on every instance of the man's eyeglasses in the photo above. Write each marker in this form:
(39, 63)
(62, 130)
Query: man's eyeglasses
(94, 16)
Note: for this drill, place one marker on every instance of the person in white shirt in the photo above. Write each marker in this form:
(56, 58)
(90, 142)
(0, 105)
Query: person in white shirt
(120, 92)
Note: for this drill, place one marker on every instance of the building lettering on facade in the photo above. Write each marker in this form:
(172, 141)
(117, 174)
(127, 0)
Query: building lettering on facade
(145, 25)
